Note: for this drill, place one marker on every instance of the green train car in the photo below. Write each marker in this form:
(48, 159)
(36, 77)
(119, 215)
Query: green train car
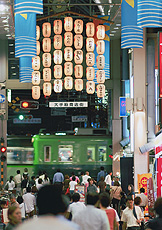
(71, 153)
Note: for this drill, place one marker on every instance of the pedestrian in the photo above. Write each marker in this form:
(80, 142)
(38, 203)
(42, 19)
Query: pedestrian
(18, 180)
(30, 203)
(131, 191)
(100, 174)
(66, 183)
(14, 216)
(58, 177)
(72, 185)
(81, 178)
(4, 213)
(10, 185)
(131, 216)
(46, 180)
(115, 195)
(144, 199)
(13, 201)
(76, 206)
(40, 183)
(21, 206)
(24, 183)
(156, 223)
(76, 178)
(110, 212)
(102, 184)
(108, 179)
(32, 181)
(92, 187)
(85, 178)
(26, 173)
(92, 218)
(51, 205)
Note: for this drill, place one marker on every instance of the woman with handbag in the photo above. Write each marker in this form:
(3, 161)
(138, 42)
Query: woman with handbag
(115, 195)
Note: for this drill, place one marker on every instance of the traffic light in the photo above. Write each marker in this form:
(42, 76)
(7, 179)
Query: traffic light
(3, 149)
(21, 117)
(29, 105)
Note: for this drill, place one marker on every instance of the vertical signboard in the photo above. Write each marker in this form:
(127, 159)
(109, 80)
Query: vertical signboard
(160, 64)
(122, 105)
(159, 177)
(81, 190)
(150, 196)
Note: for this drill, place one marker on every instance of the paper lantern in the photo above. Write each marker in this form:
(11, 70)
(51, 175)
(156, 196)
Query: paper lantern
(47, 74)
(38, 48)
(90, 73)
(58, 86)
(57, 57)
(37, 33)
(100, 32)
(68, 39)
(100, 46)
(100, 90)
(57, 26)
(36, 92)
(78, 84)
(46, 29)
(78, 70)
(100, 61)
(57, 41)
(68, 68)
(68, 83)
(68, 54)
(46, 59)
(68, 24)
(78, 26)
(78, 56)
(46, 43)
(36, 77)
(90, 59)
(58, 71)
(78, 41)
(47, 89)
(90, 29)
(100, 76)
(90, 44)
(90, 87)
(36, 63)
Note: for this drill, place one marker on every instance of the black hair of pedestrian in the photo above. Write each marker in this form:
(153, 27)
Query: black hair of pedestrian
(105, 199)
(66, 177)
(58, 170)
(3, 202)
(142, 190)
(92, 198)
(33, 177)
(158, 206)
(129, 198)
(40, 181)
(25, 170)
(11, 178)
(82, 173)
(73, 174)
(75, 197)
(116, 183)
(45, 177)
(20, 199)
(132, 188)
(137, 200)
(73, 178)
(18, 171)
(34, 189)
(102, 168)
(51, 201)
(28, 189)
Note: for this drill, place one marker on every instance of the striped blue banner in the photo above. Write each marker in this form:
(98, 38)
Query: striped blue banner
(25, 35)
(28, 6)
(25, 69)
(131, 34)
(149, 13)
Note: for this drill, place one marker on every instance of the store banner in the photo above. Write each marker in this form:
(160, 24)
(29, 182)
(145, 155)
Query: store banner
(142, 181)
(160, 64)
(107, 46)
(25, 69)
(150, 196)
(28, 6)
(25, 35)
(149, 13)
(131, 34)
(159, 177)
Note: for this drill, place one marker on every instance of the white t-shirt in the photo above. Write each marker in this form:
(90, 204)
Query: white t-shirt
(108, 179)
(39, 186)
(116, 214)
(11, 185)
(72, 185)
(76, 207)
(22, 208)
(30, 202)
(143, 198)
(85, 179)
(129, 218)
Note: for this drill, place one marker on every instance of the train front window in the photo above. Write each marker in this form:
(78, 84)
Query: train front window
(47, 153)
(65, 153)
(102, 153)
(90, 153)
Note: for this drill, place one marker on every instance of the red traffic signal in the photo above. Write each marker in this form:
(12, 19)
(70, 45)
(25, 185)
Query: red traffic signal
(3, 149)
(111, 156)
(29, 104)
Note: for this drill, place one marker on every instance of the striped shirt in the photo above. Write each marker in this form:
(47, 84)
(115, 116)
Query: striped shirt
(28, 6)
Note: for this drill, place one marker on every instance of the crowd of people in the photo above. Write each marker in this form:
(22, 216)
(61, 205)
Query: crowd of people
(41, 203)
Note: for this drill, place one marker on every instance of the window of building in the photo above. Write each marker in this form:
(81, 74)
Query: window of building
(91, 153)
(102, 153)
(47, 153)
(65, 153)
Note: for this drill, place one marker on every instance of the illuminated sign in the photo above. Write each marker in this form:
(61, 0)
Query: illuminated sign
(122, 107)
(160, 64)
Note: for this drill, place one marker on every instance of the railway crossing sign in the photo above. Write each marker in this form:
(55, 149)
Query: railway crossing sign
(2, 98)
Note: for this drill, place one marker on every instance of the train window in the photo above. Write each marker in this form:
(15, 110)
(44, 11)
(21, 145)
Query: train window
(47, 153)
(65, 152)
(90, 153)
(102, 153)
(20, 155)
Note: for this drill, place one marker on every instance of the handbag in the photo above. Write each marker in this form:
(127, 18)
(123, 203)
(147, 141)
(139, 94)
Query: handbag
(135, 215)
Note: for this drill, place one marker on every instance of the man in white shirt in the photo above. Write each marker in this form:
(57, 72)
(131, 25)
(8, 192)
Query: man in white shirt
(92, 218)
(76, 206)
(18, 180)
(30, 203)
(130, 222)
(144, 199)
(86, 177)
(108, 178)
